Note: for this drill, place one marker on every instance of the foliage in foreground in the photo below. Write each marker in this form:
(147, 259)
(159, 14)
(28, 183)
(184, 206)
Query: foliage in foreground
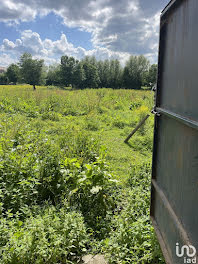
(132, 239)
(50, 236)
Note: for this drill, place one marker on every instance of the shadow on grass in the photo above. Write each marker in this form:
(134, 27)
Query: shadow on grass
(128, 144)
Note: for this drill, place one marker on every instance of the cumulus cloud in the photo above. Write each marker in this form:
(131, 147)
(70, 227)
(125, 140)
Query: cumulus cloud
(12, 11)
(51, 51)
(6, 59)
(129, 26)
(31, 42)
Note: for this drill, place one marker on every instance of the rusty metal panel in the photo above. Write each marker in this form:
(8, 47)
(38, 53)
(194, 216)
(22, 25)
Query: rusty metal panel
(175, 154)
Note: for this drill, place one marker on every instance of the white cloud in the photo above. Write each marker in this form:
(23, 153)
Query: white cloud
(6, 59)
(31, 42)
(51, 51)
(118, 28)
(12, 11)
(8, 45)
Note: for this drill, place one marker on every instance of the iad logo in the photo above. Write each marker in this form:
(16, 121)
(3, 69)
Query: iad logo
(186, 252)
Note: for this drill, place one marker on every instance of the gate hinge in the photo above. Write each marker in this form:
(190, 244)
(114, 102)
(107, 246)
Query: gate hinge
(154, 112)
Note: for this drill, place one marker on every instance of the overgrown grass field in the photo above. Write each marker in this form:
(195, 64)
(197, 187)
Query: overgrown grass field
(69, 186)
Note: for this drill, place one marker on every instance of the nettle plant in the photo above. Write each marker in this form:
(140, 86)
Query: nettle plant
(35, 170)
(91, 187)
(50, 236)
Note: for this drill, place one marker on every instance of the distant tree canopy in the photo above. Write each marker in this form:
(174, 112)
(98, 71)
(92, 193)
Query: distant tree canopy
(152, 75)
(135, 71)
(13, 73)
(3, 78)
(53, 75)
(67, 68)
(31, 69)
(79, 76)
(90, 73)
(91, 79)
(87, 73)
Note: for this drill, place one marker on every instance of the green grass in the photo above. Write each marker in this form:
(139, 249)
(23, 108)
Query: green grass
(63, 150)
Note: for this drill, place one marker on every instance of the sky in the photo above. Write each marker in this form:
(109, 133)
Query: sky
(106, 29)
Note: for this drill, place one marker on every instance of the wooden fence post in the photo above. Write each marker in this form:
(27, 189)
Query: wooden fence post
(137, 127)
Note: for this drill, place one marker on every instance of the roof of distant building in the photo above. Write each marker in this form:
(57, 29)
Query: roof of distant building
(2, 69)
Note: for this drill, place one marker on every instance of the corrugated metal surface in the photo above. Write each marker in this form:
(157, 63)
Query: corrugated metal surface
(175, 157)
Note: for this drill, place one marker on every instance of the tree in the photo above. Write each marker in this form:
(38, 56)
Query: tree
(152, 75)
(134, 72)
(79, 75)
(31, 69)
(115, 74)
(53, 75)
(67, 67)
(3, 79)
(12, 73)
(91, 75)
(104, 73)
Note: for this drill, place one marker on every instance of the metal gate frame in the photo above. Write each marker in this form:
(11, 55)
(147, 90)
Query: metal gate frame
(155, 188)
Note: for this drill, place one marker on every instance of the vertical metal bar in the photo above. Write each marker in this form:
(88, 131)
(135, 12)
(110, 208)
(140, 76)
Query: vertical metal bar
(157, 103)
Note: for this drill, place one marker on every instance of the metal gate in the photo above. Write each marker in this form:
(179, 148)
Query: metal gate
(174, 197)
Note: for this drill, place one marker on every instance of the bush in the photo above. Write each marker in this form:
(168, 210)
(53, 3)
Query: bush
(31, 166)
(53, 236)
(32, 173)
(132, 239)
(92, 194)
(133, 242)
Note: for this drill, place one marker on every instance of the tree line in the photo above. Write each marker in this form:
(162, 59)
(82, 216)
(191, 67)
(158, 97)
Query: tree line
(85, 73)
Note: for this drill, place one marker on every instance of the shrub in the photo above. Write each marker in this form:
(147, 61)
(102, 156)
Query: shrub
(92, 195)
(133, 242)
(53, 236)
(31, 166)
(34, 173)
(132, 239)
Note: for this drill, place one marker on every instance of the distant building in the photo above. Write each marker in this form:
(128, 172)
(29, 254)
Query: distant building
(2, 69)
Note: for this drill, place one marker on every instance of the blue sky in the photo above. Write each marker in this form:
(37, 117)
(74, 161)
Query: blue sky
(50, 26)
(104, 28)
